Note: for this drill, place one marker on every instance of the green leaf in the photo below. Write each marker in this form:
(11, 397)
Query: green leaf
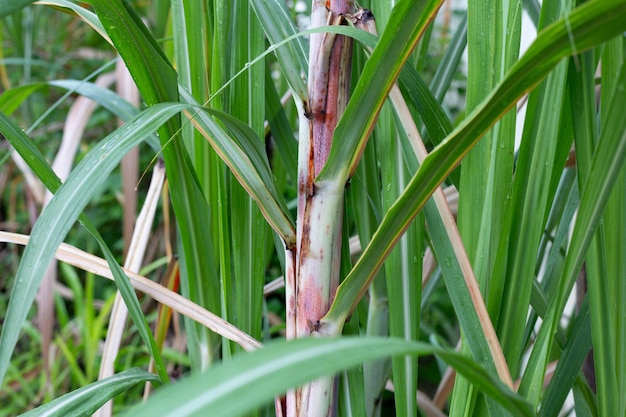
(132, 303)
(450, 61)
(260, 375)
(255, 178)
(87, 15)
(436, 120)
(407, 23)
(86, 400)
(569, 365)
(611, 376)
(154, 75)
(278, 26)
(11, 99)
(248, 230)
(103, 96)
(280, 129)
(253, 147)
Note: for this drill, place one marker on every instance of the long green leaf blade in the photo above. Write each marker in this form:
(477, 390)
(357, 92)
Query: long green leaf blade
(569, 364)
(260, 375)
(531, 195)
(254, 177)
(248, 230)
(613, 375)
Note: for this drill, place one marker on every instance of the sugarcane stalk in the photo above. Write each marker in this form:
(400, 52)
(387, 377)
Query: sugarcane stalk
(320, 205)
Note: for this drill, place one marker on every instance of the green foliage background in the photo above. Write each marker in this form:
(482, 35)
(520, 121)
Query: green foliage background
(223, 84)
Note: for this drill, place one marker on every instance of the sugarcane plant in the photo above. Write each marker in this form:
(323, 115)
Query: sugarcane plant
(360, 132)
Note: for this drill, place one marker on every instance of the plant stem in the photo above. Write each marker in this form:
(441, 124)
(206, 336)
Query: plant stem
(320, 205)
